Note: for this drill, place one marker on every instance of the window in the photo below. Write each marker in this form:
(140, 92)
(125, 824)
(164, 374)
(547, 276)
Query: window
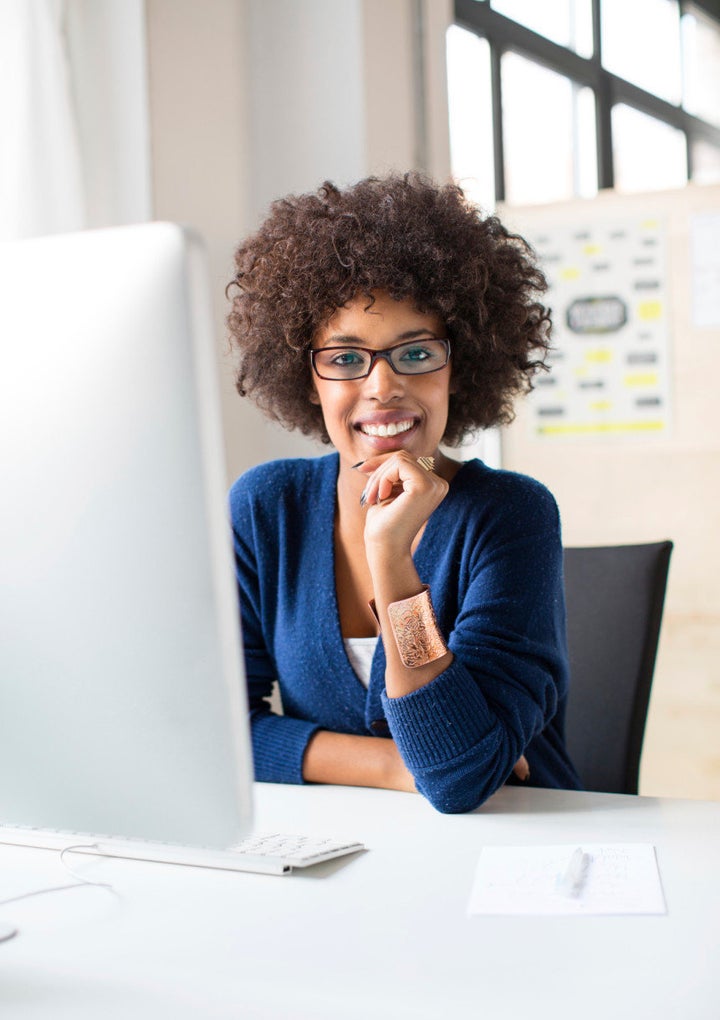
(546, 158)
(627, 28)
(470, 108)
(648, 154)
(555, 100)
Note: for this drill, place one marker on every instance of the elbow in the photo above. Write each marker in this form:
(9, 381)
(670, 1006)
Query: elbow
(457, 791)
(455, 798)
(452, 805)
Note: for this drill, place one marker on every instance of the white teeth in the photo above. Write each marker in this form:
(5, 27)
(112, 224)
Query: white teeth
(386, 430)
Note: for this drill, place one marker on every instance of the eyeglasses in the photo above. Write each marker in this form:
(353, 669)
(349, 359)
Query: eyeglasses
(415, 357)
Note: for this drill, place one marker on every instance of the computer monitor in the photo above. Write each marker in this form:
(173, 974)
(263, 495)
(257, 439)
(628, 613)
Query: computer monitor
(122, 695)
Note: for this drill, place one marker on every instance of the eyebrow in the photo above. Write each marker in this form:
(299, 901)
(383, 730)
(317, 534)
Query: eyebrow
(356, 341)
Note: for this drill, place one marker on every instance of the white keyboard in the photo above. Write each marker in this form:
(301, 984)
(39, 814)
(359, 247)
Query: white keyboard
(279, 853)
(274, 854)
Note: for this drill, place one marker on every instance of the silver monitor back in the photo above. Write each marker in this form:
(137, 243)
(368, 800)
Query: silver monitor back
(122, 696)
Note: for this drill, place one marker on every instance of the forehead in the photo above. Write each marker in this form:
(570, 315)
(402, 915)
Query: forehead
(382, 319)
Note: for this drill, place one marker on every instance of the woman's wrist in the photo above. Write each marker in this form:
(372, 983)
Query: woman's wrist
(393, 573)
(416, 631)
(383, 555)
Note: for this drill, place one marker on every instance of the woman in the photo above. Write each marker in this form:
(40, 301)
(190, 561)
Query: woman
(409, 606)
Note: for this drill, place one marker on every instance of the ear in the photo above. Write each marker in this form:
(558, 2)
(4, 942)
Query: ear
(313, 395)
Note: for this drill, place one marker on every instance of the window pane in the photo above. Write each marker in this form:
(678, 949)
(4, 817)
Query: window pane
(566, 22)
(546, 158)
(641, 43)
(648, 154)
(585, 147)
(701, 66)
(470, 108)
(706, 163)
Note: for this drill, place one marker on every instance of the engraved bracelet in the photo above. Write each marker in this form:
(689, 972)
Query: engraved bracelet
(416, 630)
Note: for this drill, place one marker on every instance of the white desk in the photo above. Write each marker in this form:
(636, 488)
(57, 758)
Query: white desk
(380, 935)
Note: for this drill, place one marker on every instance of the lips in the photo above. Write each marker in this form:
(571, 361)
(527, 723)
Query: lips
(385, 429)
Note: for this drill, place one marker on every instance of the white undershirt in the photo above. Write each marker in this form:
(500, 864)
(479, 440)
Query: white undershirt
(360, 652)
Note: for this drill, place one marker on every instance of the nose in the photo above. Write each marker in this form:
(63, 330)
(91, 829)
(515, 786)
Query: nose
(382, 383)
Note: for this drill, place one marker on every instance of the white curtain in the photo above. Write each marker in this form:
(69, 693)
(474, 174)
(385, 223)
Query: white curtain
(41, 183)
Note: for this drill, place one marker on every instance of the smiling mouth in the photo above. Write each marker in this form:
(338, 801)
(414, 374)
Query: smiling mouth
(393, 429)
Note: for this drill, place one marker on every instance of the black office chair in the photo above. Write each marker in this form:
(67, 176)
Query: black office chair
(614, 598)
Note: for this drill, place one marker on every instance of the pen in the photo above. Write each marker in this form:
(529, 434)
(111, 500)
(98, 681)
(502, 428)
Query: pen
(573, 878)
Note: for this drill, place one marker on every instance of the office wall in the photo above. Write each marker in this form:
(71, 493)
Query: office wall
(253, 99)
(107, 47)
(630, 488)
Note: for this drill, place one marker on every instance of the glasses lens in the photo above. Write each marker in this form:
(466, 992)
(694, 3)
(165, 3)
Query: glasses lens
(419, 356)
(341, 363)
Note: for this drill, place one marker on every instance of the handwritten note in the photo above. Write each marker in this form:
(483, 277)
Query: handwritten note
(621, 878)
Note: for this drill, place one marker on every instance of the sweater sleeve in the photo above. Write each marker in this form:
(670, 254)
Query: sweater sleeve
(278, 741)
(461, 734)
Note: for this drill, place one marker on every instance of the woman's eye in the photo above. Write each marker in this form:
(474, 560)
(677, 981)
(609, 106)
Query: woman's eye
(346, 358)
(416, 354)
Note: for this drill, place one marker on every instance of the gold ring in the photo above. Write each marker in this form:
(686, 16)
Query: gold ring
(428, 463)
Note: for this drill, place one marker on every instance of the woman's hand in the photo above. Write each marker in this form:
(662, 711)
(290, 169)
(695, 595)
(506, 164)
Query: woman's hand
(400, 495)
(400, 776)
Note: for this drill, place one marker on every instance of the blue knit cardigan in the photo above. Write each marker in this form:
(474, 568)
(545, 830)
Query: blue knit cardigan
(492, 556)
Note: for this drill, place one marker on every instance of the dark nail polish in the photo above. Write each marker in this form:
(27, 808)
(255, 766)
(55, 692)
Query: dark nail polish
(359, 464)
(363, 498)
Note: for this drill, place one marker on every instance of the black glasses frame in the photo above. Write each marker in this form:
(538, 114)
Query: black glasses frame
(377, 356)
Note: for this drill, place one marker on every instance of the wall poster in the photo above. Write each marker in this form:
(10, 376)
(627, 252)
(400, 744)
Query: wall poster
(609, 298)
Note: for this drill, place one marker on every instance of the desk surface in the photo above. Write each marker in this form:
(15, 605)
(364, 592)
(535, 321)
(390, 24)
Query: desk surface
(383, 934)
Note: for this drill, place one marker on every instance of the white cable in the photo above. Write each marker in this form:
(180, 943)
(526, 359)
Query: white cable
(72, 885)
(82, 881)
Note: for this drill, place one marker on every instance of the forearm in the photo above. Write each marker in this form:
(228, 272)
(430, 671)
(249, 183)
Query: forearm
(348, 760)
(394, 579)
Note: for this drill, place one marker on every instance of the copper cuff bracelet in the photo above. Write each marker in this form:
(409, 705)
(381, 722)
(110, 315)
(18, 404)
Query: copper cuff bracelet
(416, 631)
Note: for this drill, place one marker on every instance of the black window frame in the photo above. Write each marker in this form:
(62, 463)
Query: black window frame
(505, 35)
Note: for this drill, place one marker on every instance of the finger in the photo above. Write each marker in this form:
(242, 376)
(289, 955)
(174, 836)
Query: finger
(387, 487)
(366, 467)
(391, 478)
(381, 491)
(521, 768)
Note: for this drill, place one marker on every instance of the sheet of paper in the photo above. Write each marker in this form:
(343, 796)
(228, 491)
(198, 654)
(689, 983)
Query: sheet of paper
(620, 878)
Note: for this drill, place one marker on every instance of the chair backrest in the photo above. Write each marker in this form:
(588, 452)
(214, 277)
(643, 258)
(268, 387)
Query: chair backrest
(615, 597)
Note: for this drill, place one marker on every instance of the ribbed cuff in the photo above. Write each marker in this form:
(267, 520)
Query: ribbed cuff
(279, 743)
(440, 721)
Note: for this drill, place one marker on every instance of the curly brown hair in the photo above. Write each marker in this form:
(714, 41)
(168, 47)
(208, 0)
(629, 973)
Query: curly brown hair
(413, 239)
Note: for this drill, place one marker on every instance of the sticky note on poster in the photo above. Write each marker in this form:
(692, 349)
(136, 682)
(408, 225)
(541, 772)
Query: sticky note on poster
(705, 270)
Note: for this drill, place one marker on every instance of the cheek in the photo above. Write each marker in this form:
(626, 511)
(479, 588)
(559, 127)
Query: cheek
(331, 408)
(439, 394)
